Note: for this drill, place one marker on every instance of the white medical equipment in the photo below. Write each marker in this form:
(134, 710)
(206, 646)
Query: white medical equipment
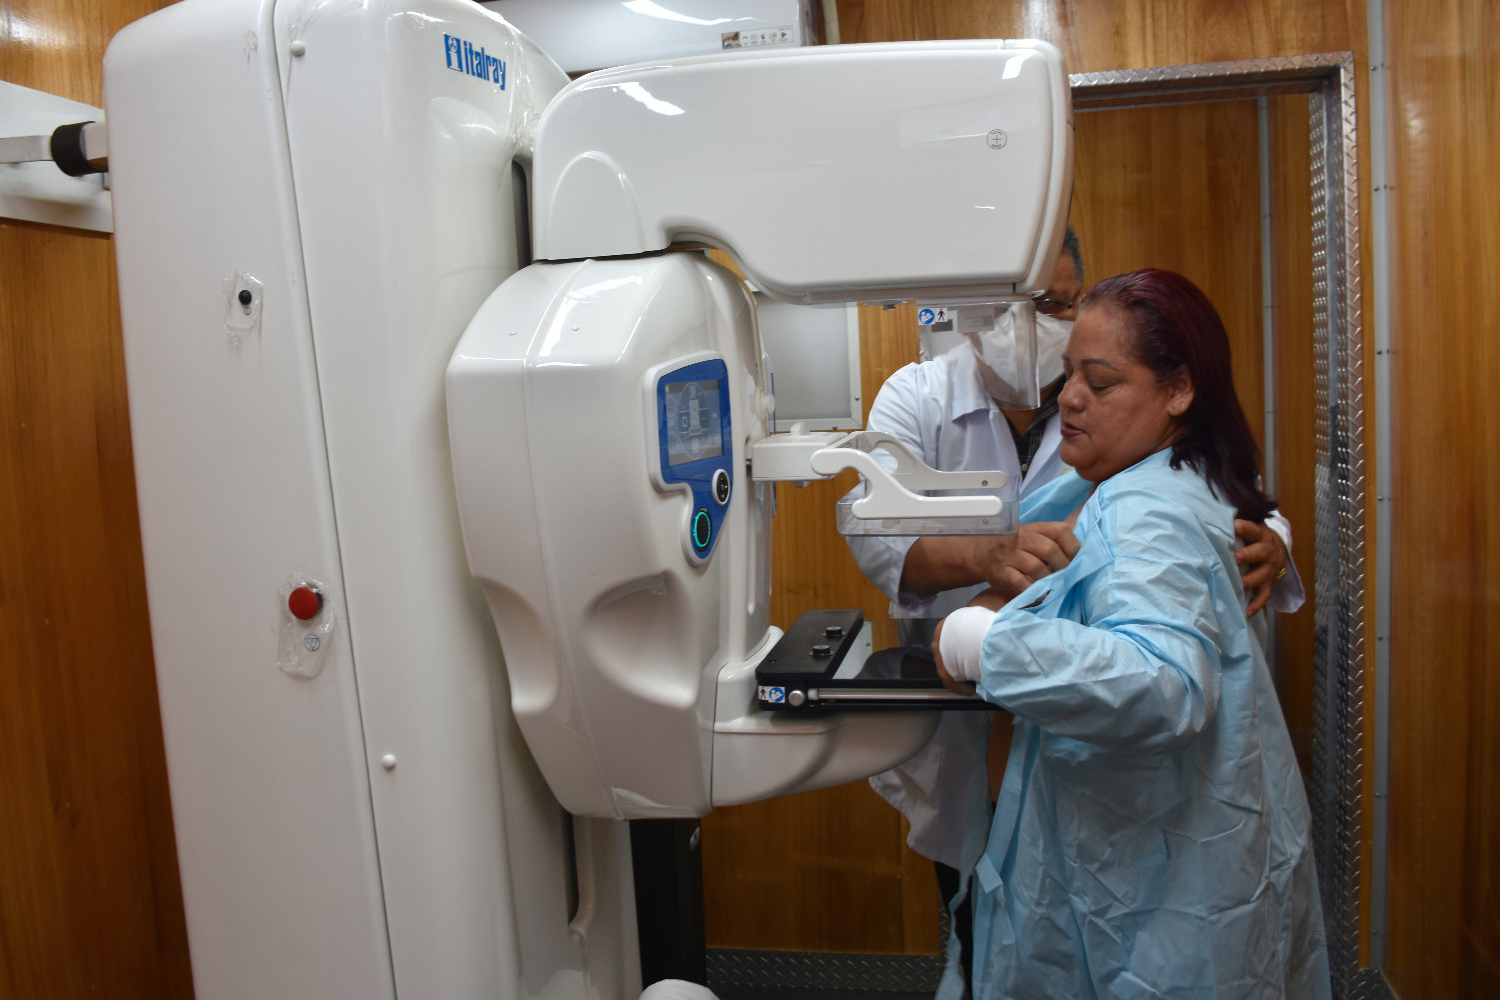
(313, 200)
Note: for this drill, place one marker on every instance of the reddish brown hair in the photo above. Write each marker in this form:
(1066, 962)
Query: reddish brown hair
(1174, 327)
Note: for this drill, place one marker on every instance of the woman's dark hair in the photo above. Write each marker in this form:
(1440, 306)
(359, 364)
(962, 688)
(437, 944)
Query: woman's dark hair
(1174, 327)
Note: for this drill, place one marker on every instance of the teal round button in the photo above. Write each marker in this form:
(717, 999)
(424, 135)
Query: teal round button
(703, 529)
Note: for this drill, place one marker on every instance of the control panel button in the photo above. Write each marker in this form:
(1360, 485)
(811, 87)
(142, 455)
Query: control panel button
(304, 603)
(703, 529)
(721, 486)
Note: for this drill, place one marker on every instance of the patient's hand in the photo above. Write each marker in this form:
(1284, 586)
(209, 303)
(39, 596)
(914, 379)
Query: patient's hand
(1011, 563)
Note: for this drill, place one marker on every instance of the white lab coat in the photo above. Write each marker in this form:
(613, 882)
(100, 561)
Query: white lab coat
(940, 410)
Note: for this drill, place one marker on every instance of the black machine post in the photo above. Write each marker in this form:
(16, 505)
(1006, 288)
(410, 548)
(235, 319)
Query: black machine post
(667, 859)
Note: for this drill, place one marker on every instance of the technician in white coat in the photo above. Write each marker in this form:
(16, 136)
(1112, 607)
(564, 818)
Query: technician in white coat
(944, 410)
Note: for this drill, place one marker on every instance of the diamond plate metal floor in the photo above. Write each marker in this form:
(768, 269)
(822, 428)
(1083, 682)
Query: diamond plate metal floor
(736, 974)
(780, 993)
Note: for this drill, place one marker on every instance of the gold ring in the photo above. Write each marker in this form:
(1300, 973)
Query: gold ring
(1279, 574)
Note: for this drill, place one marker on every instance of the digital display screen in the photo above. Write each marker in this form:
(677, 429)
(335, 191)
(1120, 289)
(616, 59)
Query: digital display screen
(693, 428)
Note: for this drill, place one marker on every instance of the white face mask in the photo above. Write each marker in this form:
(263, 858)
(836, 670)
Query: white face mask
(1051, 341)
(1007, 352)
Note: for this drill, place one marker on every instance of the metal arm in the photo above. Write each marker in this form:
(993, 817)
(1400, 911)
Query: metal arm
(893, 503)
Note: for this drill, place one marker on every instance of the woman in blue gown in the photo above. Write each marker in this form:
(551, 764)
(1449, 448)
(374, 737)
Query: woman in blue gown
(1151, 837)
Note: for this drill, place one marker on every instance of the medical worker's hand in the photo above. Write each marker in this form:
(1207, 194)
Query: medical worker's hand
(1262, 559)
(1011, 563)
(949, 682)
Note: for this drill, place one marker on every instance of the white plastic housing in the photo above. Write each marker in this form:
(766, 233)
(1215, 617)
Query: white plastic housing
(585, 35)
(360, 193)
(939, 169)
(631, 657)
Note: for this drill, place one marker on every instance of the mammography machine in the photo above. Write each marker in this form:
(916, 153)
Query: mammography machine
(351, 398)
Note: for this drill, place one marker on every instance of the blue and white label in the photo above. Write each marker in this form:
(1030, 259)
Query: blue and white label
(774, 695)
(463, 57)
(935, 313)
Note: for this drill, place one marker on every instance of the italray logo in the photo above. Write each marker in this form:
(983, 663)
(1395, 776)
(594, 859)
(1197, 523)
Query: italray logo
(465, 58)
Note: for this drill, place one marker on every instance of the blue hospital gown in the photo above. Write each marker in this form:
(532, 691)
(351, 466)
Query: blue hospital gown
(1152, 833)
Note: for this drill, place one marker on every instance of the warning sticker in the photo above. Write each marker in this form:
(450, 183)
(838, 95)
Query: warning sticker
(785, 35)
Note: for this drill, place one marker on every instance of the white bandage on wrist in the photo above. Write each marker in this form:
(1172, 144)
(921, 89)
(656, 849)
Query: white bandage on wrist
(962, 643)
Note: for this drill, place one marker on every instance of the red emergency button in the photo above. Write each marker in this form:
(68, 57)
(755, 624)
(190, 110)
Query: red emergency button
(305, 603)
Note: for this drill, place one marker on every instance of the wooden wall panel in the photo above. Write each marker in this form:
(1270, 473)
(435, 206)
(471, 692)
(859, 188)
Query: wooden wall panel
(1097, 35)
(1179, 188)
(89, 898)
(820, 871)
(1444, 930)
